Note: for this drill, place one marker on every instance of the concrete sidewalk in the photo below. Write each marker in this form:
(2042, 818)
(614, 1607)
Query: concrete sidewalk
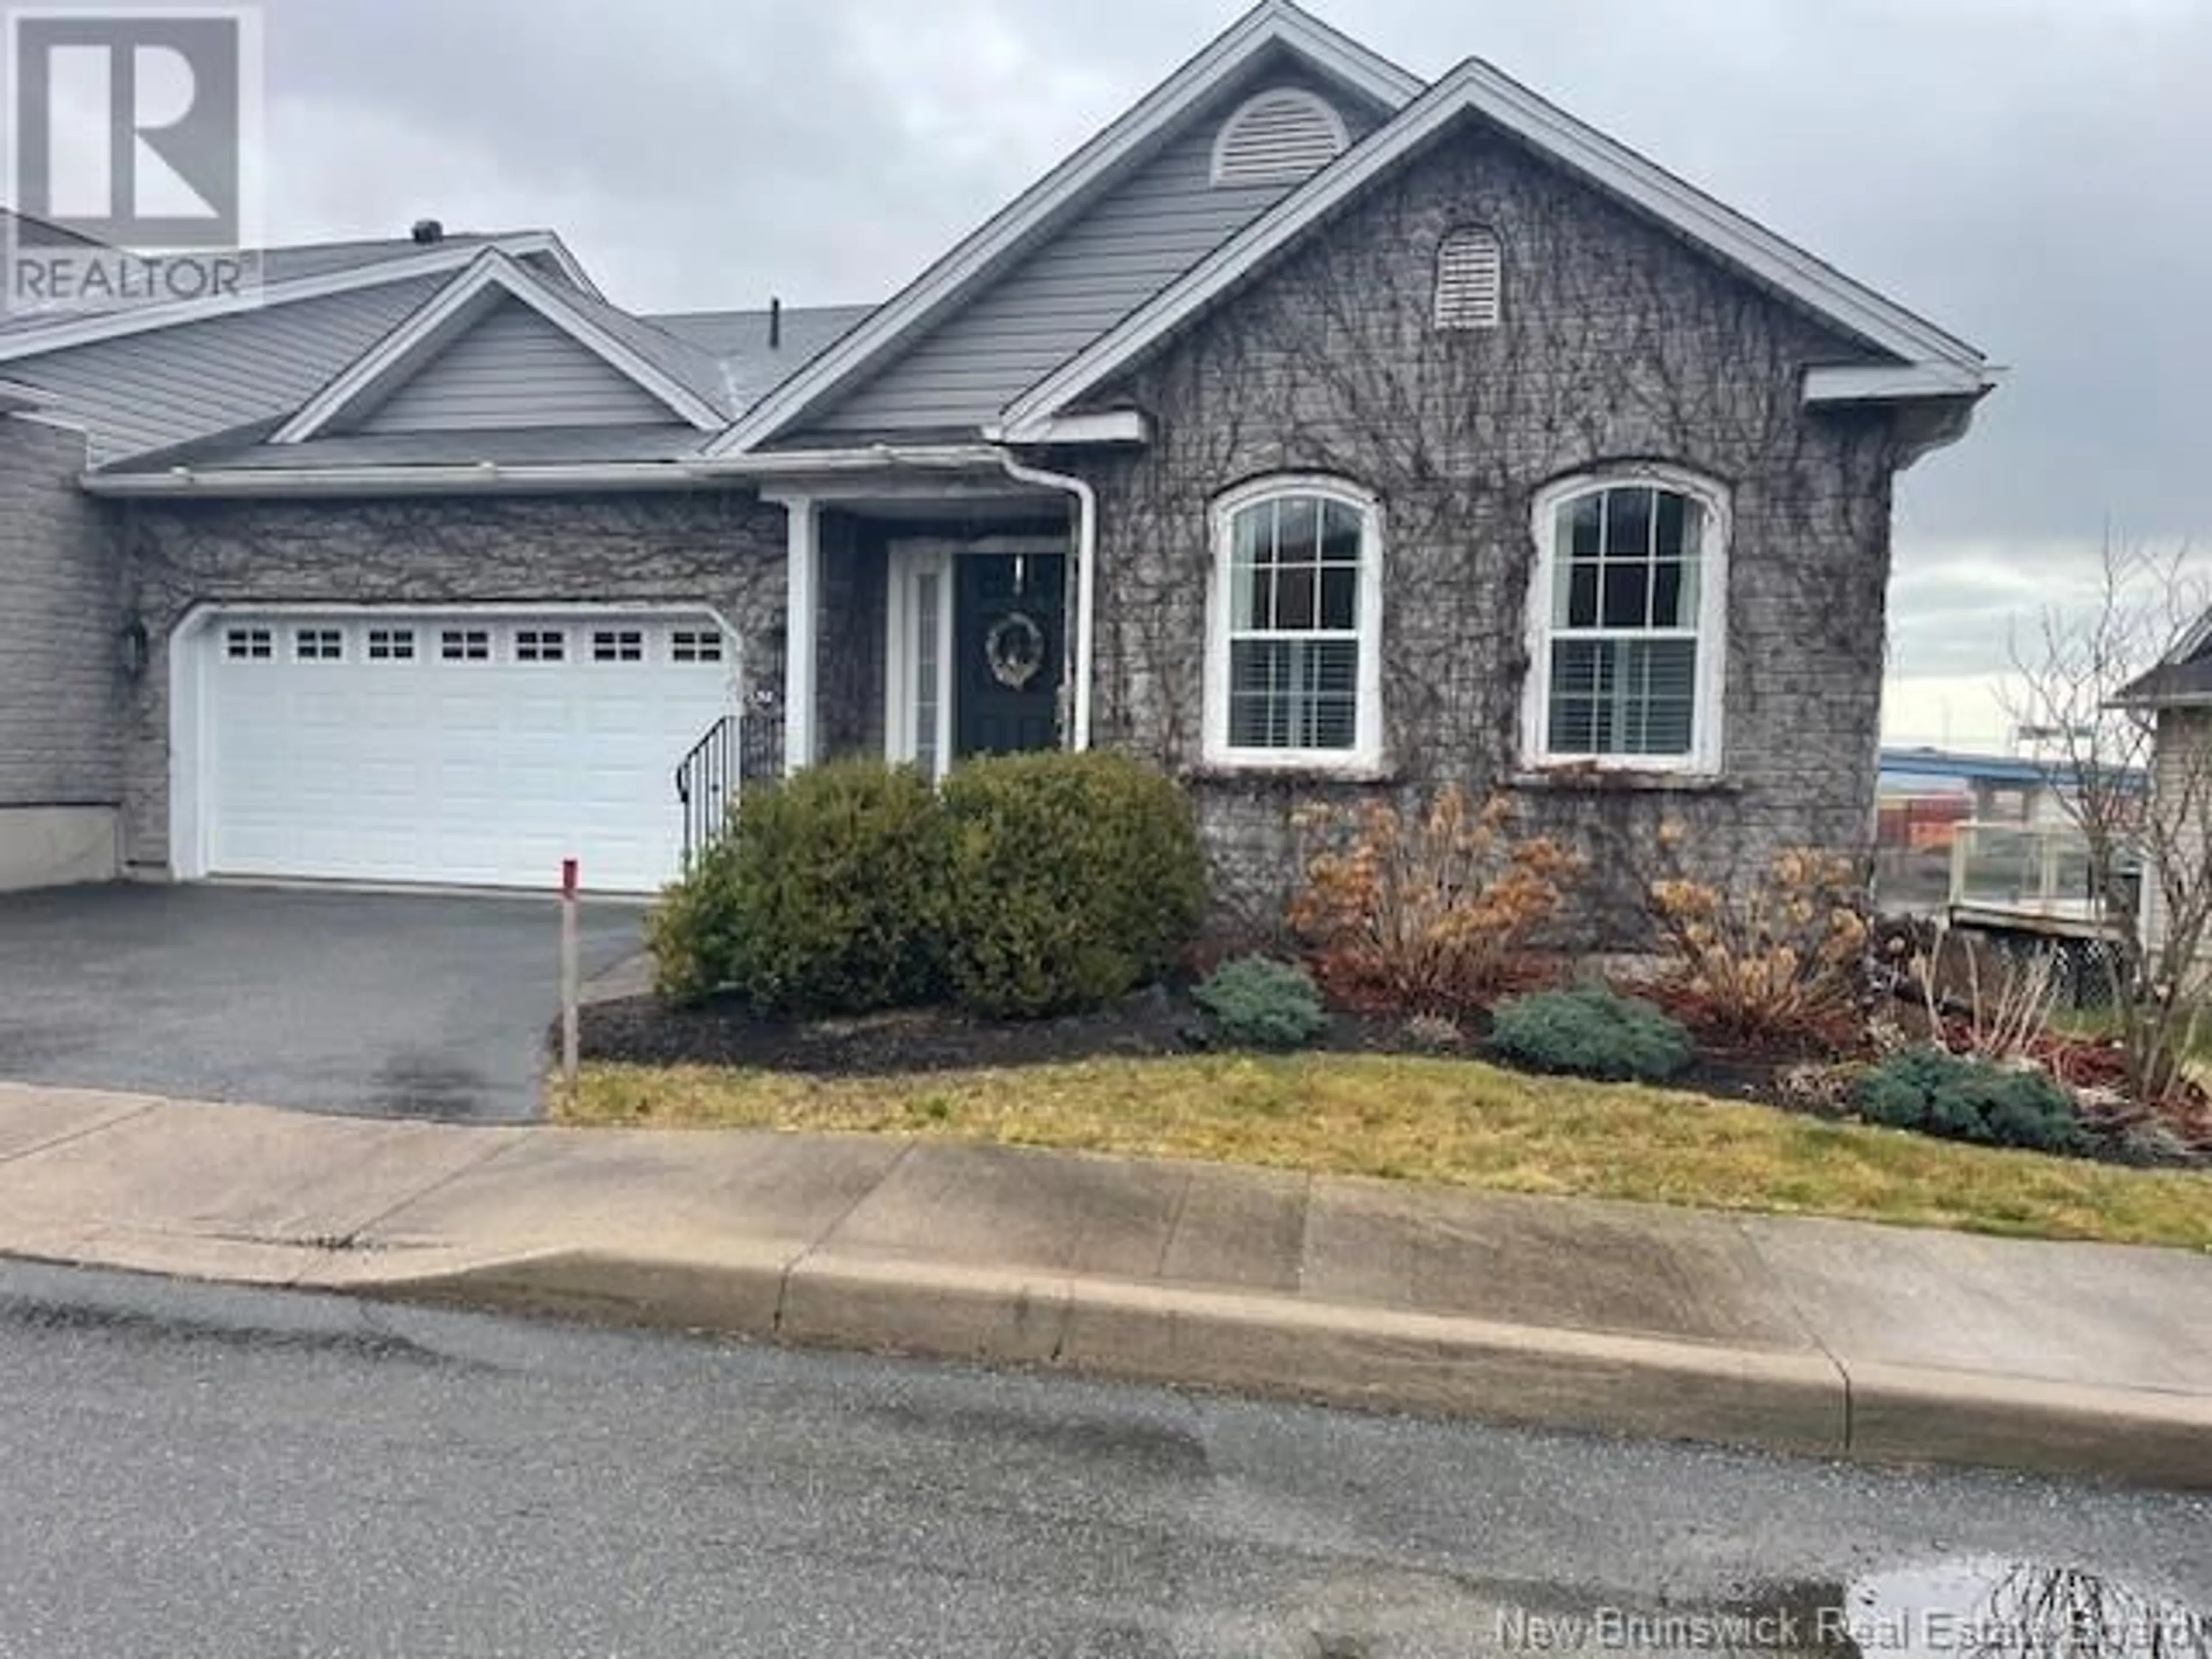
(1830, 1338)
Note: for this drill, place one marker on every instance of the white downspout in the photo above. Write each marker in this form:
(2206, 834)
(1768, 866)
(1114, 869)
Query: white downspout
(1086, 576)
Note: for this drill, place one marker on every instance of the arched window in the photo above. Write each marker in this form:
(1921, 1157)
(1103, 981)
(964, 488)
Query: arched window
(1294, 667)
(1628, 615)
(1282, 137)
(1470, 277)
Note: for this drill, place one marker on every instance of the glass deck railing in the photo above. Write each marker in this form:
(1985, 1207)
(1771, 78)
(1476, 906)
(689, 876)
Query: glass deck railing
(2040, 870)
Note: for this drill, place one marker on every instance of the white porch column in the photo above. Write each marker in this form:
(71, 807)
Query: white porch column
(802, 628)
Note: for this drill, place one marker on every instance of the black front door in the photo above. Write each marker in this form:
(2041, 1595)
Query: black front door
(1009, 634)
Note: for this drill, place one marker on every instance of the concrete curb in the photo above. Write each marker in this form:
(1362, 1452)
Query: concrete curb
(1805, 1403)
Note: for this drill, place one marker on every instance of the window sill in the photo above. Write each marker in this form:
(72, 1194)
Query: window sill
(1292, 769)
(1611, 779)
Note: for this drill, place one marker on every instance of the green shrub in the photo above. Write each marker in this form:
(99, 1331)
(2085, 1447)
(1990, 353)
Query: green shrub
(1256, 1002)
(1073, 878)
(824, 895)
(1590, 1032)
(1961, 1098)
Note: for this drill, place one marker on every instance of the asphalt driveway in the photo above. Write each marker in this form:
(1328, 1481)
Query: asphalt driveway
(416, 1005)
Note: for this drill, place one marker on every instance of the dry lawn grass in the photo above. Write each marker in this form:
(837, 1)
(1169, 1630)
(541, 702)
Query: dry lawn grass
(1458, 1122)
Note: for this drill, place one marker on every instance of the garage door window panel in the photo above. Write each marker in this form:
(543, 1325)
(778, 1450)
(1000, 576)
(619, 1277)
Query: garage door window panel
(464, 645)
(696, 644)
(618, 645)
(540, 645)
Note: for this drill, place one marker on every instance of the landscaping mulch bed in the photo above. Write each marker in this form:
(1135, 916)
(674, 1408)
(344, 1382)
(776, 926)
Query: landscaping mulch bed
(643, 1031)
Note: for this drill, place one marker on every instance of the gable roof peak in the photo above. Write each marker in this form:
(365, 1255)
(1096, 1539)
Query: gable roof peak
(974, 262)
(662, 364)
(1928, 361)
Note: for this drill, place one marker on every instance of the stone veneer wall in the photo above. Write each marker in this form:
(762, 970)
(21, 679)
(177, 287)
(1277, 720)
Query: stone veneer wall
(1618, 343)
(61, 677)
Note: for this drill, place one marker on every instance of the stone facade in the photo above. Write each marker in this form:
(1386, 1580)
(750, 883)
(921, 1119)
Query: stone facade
(720, 549)
(1618, 343)
(61, 677)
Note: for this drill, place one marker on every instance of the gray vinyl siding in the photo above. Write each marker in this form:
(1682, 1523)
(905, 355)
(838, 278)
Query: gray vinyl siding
(1138, 237)
(142, 391)
(514, 369)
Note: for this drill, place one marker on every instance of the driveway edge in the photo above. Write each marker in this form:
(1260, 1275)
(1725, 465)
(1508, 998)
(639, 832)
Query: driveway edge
(1374, 1358)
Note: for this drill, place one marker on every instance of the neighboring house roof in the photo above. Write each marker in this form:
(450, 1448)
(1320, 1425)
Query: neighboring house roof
(1274, 26)
(2183, 677)
(684, 379)
(1934, 363)
(290, 277)
(137, 392)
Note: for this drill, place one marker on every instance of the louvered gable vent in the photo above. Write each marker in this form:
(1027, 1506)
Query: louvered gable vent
(1282, 137)
(1469, 275)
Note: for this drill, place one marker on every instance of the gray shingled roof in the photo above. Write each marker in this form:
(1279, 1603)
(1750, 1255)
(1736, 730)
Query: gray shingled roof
(739, 340)
(697, 368)
(2189, 680)
(291, 263)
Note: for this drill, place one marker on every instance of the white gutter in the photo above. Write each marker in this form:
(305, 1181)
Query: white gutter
(1086, 576)
(492, 477)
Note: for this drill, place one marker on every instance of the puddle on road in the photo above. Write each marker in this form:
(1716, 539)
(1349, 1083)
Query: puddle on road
(1972, 1608)
(418, 1087)
(1958, 1609)
(1985, 1608)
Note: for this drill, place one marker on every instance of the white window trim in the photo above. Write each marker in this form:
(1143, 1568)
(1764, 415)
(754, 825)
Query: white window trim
(1706, 735)
(908, 563)
(1364, 757)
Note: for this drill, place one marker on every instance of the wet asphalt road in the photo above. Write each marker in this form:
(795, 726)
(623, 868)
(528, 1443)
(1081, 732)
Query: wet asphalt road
(419, 1005)
(189, 1471)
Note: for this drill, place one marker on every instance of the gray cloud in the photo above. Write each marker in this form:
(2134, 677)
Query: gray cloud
(2026, 172)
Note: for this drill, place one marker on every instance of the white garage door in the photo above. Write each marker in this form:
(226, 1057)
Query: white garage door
(467, 748)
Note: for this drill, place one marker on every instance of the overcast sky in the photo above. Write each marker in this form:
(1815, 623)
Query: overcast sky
(2032, 175)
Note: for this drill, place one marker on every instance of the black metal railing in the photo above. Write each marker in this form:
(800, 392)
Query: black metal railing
(706, 783)
(736, 750)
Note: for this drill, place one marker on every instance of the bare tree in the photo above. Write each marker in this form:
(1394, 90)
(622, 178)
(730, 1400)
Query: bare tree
(2135, 771)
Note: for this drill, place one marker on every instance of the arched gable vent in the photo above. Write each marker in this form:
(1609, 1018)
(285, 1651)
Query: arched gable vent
(1282, 137)
(1470, 275)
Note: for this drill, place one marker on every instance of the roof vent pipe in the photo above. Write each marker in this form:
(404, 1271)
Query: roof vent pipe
(427, 232)
(775, 323)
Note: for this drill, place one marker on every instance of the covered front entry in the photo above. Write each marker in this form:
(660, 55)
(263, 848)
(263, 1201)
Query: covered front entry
(976, 649)
(461, 746)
